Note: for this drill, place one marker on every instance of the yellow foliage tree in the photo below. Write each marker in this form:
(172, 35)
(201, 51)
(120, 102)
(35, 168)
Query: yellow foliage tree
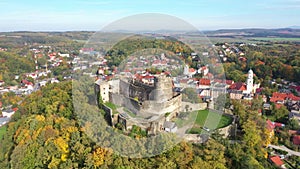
(100, 155)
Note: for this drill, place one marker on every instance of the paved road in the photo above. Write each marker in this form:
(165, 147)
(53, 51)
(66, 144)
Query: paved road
(284, 148)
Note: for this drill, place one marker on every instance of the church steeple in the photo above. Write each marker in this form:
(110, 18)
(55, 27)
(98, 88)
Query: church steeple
(250, 82)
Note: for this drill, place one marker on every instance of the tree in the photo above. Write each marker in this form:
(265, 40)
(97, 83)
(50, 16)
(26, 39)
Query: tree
(252, 139)
(281, 113)
(212, 153)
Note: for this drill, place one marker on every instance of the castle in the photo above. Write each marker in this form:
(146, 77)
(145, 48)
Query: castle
(145, 100)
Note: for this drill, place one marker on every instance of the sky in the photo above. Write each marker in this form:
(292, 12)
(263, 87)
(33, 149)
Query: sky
(68, 15)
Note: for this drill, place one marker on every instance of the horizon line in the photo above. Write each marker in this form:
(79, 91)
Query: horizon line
(204, 30)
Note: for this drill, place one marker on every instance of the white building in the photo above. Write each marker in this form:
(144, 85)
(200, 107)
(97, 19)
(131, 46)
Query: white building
(64, 55)
(8, 113)
(104, 89)
(249, 82)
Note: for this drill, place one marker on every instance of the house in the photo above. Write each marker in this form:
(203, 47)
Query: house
(236, 90)
(204, 83)
(240, 86)
(203, 70)
(236, 94)
(1, 82)
(32, 75)
(293, 106)
(293, 132)
(64, 55)
(170, 126)
(296, 88)
(8, 113)
(43, 83)
(296, 140)
(189, 71)
(223, 81)
(53, 80)
(267, 106)
(277, 161)
(270, 130)
(26, 83)
(281, 98)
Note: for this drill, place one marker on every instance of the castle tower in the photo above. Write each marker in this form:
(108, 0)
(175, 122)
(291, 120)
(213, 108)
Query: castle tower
(250, 82)
(163, 89)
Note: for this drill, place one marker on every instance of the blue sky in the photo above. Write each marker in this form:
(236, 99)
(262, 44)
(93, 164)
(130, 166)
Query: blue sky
(60, 15)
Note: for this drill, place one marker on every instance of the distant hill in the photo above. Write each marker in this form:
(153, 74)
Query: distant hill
(294, 27)
(255, 32)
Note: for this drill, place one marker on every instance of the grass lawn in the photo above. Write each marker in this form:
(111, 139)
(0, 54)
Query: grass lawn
(190, 119)
(211, 120)
(2, 131)
(111, 105)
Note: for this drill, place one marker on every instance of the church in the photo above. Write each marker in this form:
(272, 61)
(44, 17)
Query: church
(241, 90)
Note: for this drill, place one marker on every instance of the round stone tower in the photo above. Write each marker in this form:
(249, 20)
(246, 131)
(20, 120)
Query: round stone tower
(163, 88)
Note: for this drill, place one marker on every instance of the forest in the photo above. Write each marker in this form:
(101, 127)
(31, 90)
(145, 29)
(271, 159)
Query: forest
(45, 133)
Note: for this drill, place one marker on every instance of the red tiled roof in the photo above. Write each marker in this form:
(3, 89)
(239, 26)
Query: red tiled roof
(270, 125)
(259, 111)
(259, 90)
(283, 96)
(276, 160)
(228, 82)
(292, 132)
(238, 86)
(204, 81)
(296, 140)
(276, 99)
(297, 88)
(191, 70)
(276, 124)
(26, 82)
(15, 109)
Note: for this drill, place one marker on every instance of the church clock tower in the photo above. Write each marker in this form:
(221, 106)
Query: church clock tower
(250, 82)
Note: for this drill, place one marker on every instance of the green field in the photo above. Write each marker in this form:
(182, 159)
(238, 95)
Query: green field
(2, 131)
(276, 39)
(212, 119)
(209, 119)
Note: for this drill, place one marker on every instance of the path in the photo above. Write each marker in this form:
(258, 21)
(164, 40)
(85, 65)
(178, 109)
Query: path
(284, 148)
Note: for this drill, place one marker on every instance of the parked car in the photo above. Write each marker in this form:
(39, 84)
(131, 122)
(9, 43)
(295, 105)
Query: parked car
(206, 129)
